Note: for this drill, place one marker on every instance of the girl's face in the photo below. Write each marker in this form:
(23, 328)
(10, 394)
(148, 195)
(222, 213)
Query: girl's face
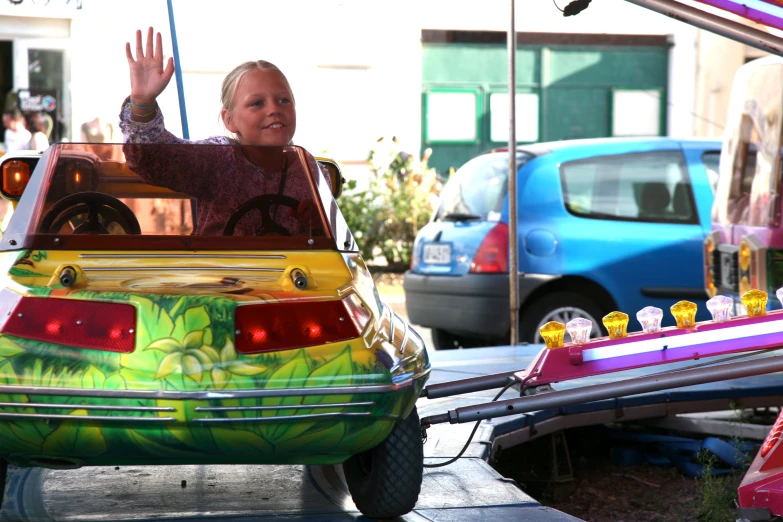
(263, 112)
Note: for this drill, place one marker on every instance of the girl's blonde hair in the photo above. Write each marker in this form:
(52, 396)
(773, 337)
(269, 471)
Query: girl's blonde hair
(231, 81)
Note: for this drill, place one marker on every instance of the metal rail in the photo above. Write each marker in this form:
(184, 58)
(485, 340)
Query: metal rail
(473, 384)
(585, 394)
(715, 24)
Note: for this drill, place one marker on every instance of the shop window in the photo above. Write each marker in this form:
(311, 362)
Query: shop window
(636, 112)
(526, 124)
(452, 116)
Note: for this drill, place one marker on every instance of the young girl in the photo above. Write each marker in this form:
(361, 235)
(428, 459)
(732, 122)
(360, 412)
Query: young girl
(37, 126)
(257, 107)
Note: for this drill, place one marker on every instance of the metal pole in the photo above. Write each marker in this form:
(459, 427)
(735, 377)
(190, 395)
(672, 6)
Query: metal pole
(716, 24)
(178, 74)
(473, 384)
(612, 390)
(513, 259)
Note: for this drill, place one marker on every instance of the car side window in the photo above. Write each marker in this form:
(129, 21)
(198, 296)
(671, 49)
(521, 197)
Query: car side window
(648, 187)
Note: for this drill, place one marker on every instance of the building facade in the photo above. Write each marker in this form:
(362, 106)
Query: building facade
(430, 72)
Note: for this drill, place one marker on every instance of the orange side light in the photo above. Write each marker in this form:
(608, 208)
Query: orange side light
(16, 175)
(73, 179)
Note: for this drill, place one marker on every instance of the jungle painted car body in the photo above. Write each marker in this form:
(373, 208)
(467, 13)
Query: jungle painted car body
(170, 348)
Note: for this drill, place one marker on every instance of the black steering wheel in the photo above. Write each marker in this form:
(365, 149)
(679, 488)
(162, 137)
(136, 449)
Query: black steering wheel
(263, 204)
(101, 210)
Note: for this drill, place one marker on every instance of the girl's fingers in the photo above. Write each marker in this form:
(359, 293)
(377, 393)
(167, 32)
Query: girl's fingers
(159, 48)
(149, 43)
(139, 52)
(169, 70)
(128, 53)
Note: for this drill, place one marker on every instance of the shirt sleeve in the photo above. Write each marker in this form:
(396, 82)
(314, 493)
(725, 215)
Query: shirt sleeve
(154, 131)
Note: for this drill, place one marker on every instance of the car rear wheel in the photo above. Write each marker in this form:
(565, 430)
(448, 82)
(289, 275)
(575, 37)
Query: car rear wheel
(3, 475)
(385, 481)
(444, 340)
(561, 307)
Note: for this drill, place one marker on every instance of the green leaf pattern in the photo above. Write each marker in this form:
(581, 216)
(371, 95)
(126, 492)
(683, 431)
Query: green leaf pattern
(186, 343)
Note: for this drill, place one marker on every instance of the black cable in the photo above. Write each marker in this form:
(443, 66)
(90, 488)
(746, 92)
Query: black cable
(472, 433)
(558, 7)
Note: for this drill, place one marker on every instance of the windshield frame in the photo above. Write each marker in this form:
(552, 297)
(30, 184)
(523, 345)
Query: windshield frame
(22, 233)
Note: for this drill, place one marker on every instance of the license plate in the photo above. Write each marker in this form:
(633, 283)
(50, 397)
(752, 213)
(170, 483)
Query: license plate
(437, 254)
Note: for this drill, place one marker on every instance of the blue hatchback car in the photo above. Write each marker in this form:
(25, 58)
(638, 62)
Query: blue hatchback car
(603, 224)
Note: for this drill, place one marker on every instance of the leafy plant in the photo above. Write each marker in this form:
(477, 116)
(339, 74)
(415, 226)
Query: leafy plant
(401, 195)
(719, 493)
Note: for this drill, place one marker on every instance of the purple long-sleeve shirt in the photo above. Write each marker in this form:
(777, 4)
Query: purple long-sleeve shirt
(220, 178)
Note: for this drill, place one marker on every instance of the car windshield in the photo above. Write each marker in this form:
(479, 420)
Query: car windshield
(477, 189)
(105, 196)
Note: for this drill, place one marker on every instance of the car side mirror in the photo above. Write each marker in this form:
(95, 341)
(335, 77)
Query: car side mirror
(16, 170)
(335, 175)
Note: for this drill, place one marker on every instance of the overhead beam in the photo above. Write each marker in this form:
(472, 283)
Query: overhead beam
(715, 24)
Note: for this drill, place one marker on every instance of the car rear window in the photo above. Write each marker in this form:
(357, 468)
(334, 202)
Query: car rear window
(650, 186)
(477, 189)
(711, 162)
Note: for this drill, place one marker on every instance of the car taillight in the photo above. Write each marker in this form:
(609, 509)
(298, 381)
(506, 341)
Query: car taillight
(710, 243)
(81, 324)
(281, 326)
(492, 255)
(772, 438)
(752, 261)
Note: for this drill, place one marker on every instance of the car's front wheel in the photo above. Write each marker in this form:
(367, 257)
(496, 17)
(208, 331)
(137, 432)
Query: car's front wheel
(561, 307)
(385, 481)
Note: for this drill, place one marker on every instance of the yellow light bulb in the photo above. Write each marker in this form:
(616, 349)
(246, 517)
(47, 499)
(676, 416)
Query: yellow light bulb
(553, 334)
(744, 285)
(744, 256)
(755, 301)
(616, 324)
(684, 313)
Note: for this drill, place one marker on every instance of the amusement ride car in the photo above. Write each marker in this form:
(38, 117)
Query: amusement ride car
(127, 339)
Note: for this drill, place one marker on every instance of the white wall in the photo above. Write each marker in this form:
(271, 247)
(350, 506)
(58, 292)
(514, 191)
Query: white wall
(354, 65)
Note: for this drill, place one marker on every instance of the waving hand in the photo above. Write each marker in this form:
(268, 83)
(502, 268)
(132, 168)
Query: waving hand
(147, 75)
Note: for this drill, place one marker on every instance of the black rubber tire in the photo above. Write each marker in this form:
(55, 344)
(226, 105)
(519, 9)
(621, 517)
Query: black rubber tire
(444, 340)
(3, 475)
(385, 481)
(533, 314)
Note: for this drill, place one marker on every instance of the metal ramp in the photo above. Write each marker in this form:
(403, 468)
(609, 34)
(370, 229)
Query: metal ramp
(468, 490)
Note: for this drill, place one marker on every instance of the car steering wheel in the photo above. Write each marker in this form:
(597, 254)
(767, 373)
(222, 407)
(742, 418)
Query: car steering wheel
(263, 204)
(101, 209)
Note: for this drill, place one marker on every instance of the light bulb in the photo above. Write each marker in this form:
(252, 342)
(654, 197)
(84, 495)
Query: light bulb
(579, 330)
(650, 319)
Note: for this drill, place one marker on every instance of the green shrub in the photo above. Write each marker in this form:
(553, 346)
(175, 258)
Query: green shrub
(398, 202)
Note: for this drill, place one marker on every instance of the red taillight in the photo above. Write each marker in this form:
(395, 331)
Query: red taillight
(772, 438)
(492, 255)
(82, 324)
(281, 326)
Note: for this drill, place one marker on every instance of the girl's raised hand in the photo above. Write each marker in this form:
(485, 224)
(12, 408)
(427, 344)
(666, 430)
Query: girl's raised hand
(148, 78)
